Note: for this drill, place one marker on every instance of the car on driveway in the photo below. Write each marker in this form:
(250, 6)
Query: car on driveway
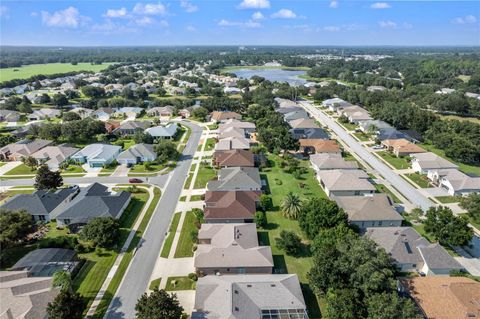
(135, 180)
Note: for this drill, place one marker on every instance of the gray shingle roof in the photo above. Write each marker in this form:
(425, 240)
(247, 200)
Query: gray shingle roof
(368, 208)
(138, 150)
(236, 178)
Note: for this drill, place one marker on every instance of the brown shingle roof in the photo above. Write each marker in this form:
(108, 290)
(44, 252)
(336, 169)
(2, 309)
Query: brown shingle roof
(230, 204)
(221, 116)
(320, 145)
(233, 158)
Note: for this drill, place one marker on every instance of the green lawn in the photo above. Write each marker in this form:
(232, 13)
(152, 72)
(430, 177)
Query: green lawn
(182, 198)
(469, 169)
(27, 71)
(397, 162)
(155, 284)
(2, 163)
(106, 171)
(362, 136)
(195, 198)
(73, 169)
(188, 181)
(447, 199)
(348, 126)
(205, 173)
(167, 245)
(185, 243)
(213, 126)
(210, 144)
(180, 283)
(21, 169)
(383, 189)
(193, 167)
(140, 168)
(420, 180)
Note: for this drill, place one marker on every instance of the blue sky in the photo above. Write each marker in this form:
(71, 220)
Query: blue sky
(239, 22)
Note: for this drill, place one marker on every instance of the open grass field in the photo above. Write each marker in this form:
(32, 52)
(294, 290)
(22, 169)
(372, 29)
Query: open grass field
(468, 169)
(27, 71)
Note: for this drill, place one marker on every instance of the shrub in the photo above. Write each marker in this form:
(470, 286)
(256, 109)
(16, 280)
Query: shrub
(260, 219)
(193, 276)
(289, 242)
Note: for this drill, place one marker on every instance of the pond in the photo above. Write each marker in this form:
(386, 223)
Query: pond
(278, 75)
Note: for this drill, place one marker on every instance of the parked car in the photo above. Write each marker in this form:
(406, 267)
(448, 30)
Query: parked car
(135, 180)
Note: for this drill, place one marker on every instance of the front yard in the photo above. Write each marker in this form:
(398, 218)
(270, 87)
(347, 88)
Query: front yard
(205, 173)
(142, 170)
(21, 169)
(397, 162)
(419, 179)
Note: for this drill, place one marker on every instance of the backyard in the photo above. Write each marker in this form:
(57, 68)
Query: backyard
(468, 169)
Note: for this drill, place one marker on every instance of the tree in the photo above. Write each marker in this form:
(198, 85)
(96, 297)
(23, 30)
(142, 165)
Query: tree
(200, 113)
(142, 137)
(159, 304)
(166, 151)
(70, 116)
(62, 280)
(320, 213)
(14, 226)
(46, 179)
(66, 304)
(30, 161)
(343, 304)
(45, 98)
(472, 204)
(93, 91)
(447, 228)
(101, 231)
(60, 99)
(290, 242)
(291, 205)
(392, 306)
(265, 202)
(260, 219)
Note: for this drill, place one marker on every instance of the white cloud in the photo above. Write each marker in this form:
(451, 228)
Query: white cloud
(465, 20)
(150, 9)
(257, 16)
(34, 14)
(116, 13)
(254, 4)
(247, 24)
(109, 27)
(69, 18)
(284, 14)
(333, 4)
(143, 21)
(190, 28)
(331, 28)
(188, 6)
(387, 24)
(380, 5)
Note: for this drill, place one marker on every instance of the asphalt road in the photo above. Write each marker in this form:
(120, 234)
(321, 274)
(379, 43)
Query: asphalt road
(136, 279)
(408, 191)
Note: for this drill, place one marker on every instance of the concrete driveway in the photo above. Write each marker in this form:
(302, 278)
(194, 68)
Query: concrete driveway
(8, 167)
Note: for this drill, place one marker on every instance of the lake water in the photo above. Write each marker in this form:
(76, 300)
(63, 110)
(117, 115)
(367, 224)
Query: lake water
(273, 75)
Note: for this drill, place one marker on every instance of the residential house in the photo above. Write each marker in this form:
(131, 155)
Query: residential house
(185, 113)
(54, 156)
(390, 134)
(247, 127)
(249, 297)
(285, 103)
(327, 161)
(136, 154)
(97, 155)
(445, 297)
(311, 146)
(371, 126)
(41, 204)
(445, 91)
(236, 178)
(295, 115)
(43, 114)
(411, 252)
(373, 210)
(455, 182)
(232, 143)
(376, 88)
(335, 103)
(233, 158)
(92, 201)
(164, 132)
(23, 296)
(424, 162)
(103, 113)
(46, 261)
(231, 249)
(161, 111)
(218, 116)
(231, 90)
(21, 149)
(130, 127)
(9, 116)
(309, 133)
(129, 112)
(230, 206)
(110, 126)
(232, 132)
(401, 147)
(345, 182)
(355, 114)
(82, 112)
(303, 123)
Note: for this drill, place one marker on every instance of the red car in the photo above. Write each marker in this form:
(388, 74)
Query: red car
(135, 180)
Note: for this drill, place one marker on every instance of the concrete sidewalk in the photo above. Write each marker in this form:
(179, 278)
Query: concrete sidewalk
(8, 167)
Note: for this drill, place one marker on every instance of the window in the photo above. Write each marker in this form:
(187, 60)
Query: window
(41, 217)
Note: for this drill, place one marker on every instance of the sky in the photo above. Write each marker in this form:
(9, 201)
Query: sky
(239, 22)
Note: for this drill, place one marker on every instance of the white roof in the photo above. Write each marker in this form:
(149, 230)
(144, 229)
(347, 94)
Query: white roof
(162, 131)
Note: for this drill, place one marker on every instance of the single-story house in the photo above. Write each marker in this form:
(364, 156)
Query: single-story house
(295, 115)
(92, 201)
(185, 113)
(285, 103)
(424, 162)
(373, 125)
(45, 113)
(21, 149)
(401, 147)
(23, 296)
(231, 249)
(9, 116)
(54, 156)
(454, 181)
(247, 127)
(445, 91)
(390, 134)
(129, 111)
(130, 127)
(232, 143)
(230, 206)
(373, 210)
(327, 161)
(335, 103)
(218, 116)
(46, 261)
(166, 132)
(411, 252)
(103, 113)
(110, 126)
(41, 204)
(309, 133)
(356, 114)
(82, 112)
(311, 146)
(232, 132)
(345, 182)
(138, 153)
(162, 111)
(285, 110)
(249, 296)
(303, 123)
(236, 178)
(233, 158)
(97, 155)
(445, 297)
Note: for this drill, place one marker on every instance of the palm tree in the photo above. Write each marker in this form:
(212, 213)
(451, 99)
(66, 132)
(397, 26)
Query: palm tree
(291, 205)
